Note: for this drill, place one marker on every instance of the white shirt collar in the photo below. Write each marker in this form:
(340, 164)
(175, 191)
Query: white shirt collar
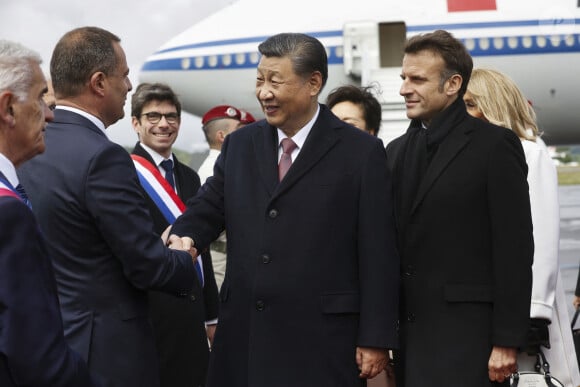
(157, 158)
(8, 170)
(99, 124)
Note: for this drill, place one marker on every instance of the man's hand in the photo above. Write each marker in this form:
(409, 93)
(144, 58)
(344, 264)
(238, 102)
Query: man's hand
(502, 363)
(184, 244)
(371, 361)
(165, 235)
(210, 329)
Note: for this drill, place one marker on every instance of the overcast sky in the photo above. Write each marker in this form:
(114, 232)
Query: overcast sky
(142, 25)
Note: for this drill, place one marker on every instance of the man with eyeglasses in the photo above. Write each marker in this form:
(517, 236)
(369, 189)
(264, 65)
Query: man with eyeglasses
(100, 236)
(179, 323)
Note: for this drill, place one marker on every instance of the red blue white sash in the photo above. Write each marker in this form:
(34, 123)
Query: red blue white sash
(163, 195)
(6, 189)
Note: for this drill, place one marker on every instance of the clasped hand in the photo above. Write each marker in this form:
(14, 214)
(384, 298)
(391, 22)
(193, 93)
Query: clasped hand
(179, 243)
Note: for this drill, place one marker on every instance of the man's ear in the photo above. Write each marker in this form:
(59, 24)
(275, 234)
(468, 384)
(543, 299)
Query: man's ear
(7, 100)
(135, 124)
(454, 84)
(220, 136)
(97, 83)
(315, 82)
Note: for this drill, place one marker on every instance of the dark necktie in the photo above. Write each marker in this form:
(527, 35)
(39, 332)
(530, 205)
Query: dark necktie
(286, 160)
(167, 165)
(23, 195)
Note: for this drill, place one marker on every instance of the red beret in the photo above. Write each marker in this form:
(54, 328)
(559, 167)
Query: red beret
(221, 111)
(246, 117)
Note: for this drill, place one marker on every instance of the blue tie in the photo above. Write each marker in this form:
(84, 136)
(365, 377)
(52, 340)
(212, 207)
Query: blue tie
(20, 189)
(168, 166)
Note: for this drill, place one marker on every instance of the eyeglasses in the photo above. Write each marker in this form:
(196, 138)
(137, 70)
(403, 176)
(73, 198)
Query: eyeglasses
(155, 117)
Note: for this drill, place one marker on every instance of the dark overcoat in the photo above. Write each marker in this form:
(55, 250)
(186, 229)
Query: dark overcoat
(466, 251)
(312, 268)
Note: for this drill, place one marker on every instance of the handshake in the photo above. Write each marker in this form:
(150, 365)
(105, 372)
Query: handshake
(179, 243)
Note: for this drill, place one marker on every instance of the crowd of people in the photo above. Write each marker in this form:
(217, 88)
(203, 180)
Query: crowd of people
(434, 258)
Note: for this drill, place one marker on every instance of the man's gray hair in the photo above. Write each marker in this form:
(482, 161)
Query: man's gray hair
(16, 68)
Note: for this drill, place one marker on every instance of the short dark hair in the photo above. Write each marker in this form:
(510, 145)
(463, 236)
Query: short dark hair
(306, 53)
(78, 55)
(454, 54)
(147, 92)
(363, 97)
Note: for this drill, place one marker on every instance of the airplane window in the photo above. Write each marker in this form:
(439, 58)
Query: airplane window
(569, 39)
(527, 41)
(541, 41)
(498, 43)
(339, 51)
(484, 43)
(470, 44)
(254, 57)
(199, 62)
(227, 60)
(185, 63)
(212, 60)
(240, 58)
(555, 40)
(513, 42)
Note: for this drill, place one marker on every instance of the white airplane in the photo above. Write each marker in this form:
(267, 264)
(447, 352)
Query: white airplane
(536, 42)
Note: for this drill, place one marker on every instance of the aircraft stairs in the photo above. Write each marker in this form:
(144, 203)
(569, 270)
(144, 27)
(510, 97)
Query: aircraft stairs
(373, 56)
(387, 82)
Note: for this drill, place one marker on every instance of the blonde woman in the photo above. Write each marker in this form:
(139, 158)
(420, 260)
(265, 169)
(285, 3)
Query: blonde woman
(494, 97)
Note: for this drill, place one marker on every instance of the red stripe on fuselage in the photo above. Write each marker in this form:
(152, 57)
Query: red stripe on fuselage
(470, 5)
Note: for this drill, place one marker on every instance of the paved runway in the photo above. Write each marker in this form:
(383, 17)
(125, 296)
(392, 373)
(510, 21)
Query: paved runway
(569, 197)
(569, 239)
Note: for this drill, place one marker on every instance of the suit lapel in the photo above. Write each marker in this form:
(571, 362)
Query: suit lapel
(456, 140)
(320, 140)
(265, 150)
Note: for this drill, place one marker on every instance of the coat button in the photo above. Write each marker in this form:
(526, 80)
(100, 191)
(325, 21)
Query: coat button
(265, 258)
(192, 297)
(411, 317)
(409, 270)
(273, 213)
(259, 305)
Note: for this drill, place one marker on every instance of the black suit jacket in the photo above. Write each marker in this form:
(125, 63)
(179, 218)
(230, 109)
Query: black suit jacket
(179, 323)
(466, 252)
(312, 270)
(104, 248)
(33, 351)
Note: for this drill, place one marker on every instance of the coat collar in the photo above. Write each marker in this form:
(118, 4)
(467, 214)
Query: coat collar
(322, 137)
(68, 117)
(458, 137)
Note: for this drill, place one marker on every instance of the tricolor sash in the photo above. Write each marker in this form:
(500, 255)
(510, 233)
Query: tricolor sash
(6, 189)
(163, 195)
